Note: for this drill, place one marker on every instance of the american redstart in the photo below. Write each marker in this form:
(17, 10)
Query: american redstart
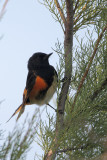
(41, 82)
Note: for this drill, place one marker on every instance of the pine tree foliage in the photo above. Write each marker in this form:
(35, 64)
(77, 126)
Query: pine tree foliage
(80, 132)
(84, 131)
(19, 141)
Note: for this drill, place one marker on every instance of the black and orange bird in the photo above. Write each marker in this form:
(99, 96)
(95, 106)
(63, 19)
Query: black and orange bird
(41, 82)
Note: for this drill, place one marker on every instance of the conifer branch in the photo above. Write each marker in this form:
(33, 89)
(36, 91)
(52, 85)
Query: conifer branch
(75, 148)
(88, 67)
(60, 11)
(76, 5)
(3, 8)
(68, 43)
(98, 90)
(84, 7)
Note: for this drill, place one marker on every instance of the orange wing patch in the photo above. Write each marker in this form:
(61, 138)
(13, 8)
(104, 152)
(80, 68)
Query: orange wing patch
(25, 92)
(40, 84)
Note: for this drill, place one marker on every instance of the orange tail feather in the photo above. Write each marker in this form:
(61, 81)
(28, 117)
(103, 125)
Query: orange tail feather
(17, 110)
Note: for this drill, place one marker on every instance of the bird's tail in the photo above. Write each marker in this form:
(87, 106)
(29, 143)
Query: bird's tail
(20, 109)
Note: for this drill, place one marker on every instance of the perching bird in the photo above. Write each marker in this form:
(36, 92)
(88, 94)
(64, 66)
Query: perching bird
(41, 82)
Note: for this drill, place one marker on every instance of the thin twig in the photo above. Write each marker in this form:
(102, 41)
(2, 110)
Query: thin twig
(89, 65)
(84, 7)
(74, 148)
(52, 107)
(60, 11)
(2, 101)
(97, 91)
(3, 8)
(76, 6)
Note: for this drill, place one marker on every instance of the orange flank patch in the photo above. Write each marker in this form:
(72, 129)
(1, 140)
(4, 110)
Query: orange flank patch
(40, 84)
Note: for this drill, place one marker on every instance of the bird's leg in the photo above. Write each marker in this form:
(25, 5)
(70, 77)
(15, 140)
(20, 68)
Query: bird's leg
(51, 107)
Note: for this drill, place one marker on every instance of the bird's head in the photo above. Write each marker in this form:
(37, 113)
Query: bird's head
(38, 59)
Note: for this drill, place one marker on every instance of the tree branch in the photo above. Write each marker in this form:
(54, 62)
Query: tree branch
(2, 101)
(75, 148)
(76, 6)
(3, 8)
(99, 89)
(84, 7)
(68, 43)
(89, 65)
(60, 11)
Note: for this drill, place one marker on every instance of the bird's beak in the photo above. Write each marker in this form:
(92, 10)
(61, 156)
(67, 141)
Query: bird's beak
(48, 55)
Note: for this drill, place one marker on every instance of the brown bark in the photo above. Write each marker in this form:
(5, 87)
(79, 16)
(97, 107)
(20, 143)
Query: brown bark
(68, 43)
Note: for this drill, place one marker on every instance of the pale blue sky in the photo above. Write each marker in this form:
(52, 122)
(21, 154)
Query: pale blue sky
(27, 27)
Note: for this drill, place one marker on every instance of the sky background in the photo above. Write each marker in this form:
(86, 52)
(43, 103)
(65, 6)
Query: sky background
(26, 27)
